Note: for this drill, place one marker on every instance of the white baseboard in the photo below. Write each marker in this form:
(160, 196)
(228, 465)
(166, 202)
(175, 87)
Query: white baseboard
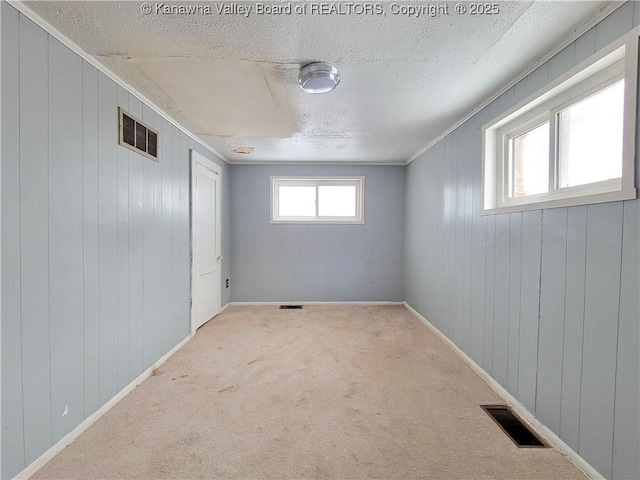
(551, 438)
(316, 303)
(47, 456)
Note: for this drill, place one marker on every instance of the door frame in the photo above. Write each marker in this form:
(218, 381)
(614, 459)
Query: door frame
(196, 158)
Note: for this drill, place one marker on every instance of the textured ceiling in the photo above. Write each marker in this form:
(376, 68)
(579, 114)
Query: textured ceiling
(232, 78)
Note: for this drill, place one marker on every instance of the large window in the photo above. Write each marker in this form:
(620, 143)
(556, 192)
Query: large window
(317, 200)
(571, 143)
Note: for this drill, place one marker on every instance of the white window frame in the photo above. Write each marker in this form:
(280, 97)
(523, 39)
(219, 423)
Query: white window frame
(613, 63)
(277, 182)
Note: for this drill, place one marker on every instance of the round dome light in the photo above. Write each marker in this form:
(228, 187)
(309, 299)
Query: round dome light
(318, 77)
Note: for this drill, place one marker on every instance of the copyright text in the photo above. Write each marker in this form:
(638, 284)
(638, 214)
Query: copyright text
(409, 9)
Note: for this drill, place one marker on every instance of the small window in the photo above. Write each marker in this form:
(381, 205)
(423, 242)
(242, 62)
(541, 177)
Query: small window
(571, 143)
(317, 200)
(137, 136)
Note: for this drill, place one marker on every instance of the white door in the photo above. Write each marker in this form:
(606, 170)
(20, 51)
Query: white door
(206, 245)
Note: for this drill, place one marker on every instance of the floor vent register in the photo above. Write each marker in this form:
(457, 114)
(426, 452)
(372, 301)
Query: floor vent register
(516, 430)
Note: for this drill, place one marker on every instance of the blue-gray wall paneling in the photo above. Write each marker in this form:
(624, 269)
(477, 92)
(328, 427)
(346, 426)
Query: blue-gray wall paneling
(602, 295)
(13, 458)
(34, 237)
(66, 259)
(91, 238)
(627, 414)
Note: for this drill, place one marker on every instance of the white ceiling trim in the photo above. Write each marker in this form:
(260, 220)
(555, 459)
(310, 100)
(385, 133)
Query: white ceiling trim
(51, 30)
(577, 33)
(316, 163)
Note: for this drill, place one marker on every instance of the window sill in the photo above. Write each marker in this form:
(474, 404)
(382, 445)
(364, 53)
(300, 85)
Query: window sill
(617, 196)
(316, 222)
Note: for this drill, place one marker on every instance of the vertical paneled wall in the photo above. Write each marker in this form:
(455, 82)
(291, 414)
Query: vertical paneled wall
(95, 241)
(545, 301)
(296, 262)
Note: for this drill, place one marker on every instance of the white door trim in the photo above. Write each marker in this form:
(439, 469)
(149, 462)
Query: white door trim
(199, 159)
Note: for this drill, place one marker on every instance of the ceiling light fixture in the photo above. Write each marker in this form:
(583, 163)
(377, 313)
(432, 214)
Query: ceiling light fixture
(318, 77)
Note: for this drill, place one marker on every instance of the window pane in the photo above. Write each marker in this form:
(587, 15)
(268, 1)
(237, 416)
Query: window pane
(590, 138)
(530, 162)
(297, 201)
(337, 201)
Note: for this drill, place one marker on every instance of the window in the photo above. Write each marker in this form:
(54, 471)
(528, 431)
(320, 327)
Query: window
(317, 200)
(571, 143)
(137, 136)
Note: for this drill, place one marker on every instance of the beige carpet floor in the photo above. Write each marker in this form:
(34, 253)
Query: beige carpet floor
(344, 392)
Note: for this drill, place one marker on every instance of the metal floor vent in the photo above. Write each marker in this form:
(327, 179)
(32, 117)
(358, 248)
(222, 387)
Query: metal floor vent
(510, 424)
(290, 307)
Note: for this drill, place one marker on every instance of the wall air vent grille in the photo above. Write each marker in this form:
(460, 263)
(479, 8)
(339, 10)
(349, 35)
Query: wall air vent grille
(137, 136)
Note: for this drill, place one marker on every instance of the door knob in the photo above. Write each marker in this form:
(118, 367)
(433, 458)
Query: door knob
(220, 257)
